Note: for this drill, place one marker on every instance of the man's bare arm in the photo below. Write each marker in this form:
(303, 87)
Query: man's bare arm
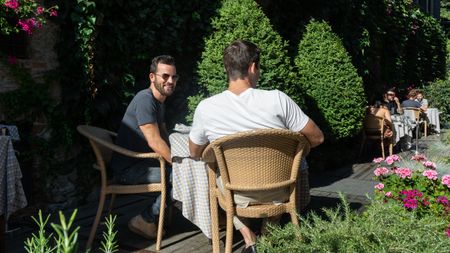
(155, 141)
(196, 150)
(313, 133)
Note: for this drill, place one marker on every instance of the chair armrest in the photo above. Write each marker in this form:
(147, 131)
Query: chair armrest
(126, 152)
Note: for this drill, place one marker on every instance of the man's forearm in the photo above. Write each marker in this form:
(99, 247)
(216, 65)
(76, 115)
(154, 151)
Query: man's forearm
(160, 146)
(195, 150)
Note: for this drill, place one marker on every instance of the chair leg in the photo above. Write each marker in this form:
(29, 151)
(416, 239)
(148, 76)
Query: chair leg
(382, 148)
(214, 221)
(111, 203)
(161, 220)
(294, 217)
(391, 147)
(425, 126)
(229, 234)
(101, 203)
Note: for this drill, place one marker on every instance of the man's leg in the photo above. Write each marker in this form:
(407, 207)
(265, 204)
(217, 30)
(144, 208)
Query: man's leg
(142, 173)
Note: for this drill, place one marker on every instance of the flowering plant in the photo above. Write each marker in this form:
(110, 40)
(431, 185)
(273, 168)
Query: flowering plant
(25, 15)
(423, 190)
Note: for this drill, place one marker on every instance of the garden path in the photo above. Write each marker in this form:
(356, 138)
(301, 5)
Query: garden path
(355, 181)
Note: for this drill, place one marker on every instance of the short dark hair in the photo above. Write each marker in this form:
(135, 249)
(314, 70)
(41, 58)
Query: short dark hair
(238, 56)
(164, 59)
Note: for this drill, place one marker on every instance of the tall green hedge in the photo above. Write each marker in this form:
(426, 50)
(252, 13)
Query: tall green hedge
(438, 95)
(335, 91)
(243, 19)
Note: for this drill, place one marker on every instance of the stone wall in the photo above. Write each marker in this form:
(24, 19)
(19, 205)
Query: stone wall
(42, 57)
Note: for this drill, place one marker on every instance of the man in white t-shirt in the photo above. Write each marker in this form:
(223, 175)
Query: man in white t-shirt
(242, 108)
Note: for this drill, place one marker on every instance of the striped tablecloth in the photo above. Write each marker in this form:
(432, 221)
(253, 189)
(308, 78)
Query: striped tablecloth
(403, 127)
(12, 196)
(190, 184)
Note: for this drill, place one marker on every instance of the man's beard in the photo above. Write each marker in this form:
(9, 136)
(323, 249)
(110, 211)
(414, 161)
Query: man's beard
(159, 87)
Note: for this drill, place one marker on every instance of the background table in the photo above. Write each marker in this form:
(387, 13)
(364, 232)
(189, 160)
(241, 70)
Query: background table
(403, 127)
(12, 196)
(433, 117)
(190, 183)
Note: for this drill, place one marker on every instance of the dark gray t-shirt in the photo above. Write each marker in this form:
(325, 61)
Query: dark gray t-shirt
(410, 103)
(143, 109)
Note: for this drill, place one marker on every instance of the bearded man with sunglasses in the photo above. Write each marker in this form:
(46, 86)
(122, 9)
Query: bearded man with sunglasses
(143, 129)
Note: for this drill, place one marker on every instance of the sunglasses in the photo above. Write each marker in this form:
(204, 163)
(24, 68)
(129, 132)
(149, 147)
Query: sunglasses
(166, 77)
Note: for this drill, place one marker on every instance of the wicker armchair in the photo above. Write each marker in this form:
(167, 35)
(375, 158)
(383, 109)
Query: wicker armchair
(101, 141)
(374, 128)
(260, 160)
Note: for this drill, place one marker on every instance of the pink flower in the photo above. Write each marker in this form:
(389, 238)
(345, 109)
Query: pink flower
(442, 200)
(410, 203)
(389, 160)
(378, 160)
(379, 186)
(429, 164)
(53, 13)
(40, 10)
(403, 172)
(446, 180)
(28, 25)
(394, 157)
(13, 4)
(447, 232)
(430, 174)
(388, 194)
(12, 59)
(419, 157)
(381, 171)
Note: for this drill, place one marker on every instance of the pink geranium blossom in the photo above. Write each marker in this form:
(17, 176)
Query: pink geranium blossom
(378, 160)
(53, 13)
(388, 194)
(429, 164)
(419, 157)
(446, 180)
(40, 10)
(28, 25)
(394, 158)
(430, 174)
(13, 4)
(379, 186)
(442, 200)
(389, 160)
(381, 171)
(404, 172)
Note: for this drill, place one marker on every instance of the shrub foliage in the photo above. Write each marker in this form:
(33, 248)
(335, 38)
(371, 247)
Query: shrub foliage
(335, 91)
(244, 19)
(438, 95)
(382, 228)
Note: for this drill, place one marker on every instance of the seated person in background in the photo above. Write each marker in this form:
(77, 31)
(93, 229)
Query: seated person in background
(392, 102)
(411, 101)
(423, 101)
(243, 108)
(379, 109)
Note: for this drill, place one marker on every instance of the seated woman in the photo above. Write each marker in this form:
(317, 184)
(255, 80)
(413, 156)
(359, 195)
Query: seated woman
(380, 110)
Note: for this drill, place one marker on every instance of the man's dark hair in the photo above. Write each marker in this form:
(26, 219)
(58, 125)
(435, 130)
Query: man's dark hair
(238, 56)
(164, 59)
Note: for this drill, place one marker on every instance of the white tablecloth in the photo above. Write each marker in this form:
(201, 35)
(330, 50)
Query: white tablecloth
(403, 127)
(190, 183)
(12, 196)
(433, 117)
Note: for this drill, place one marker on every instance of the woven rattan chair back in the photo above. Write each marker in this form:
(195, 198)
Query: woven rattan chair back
(259, 160)
(247, 161)
(101, 141)
(373, 129)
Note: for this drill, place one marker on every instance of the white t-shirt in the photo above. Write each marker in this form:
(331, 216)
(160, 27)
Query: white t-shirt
(227, 113)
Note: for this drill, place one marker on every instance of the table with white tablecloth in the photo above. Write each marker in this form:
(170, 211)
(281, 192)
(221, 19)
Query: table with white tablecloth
(12, 196)
(433, 119)
(190, 183)
(403, 127)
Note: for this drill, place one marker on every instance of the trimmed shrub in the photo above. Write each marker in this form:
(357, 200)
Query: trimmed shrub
(335, 91)
(244, 19)
(383, 227)
(438, 95)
